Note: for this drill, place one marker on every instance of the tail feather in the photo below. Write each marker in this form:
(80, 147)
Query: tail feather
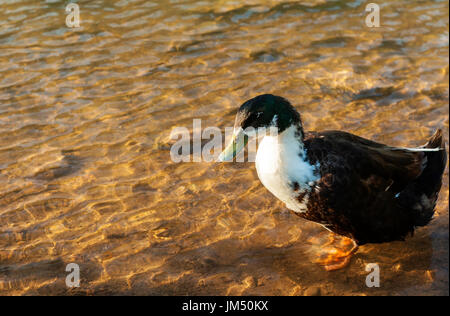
(426, 187)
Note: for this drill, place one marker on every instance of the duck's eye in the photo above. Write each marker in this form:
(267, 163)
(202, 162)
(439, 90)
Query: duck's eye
(255, 116)
(251, 119)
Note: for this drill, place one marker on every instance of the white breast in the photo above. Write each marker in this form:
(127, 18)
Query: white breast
(280, 162)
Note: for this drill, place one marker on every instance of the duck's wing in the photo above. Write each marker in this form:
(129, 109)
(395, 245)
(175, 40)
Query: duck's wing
(354, 158)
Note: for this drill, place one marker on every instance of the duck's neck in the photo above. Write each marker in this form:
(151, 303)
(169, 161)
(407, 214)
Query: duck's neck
(283, 167)
(292, 136)
(281, 151)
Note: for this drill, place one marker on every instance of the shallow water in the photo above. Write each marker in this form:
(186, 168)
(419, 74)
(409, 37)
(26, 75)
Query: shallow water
(85, 119)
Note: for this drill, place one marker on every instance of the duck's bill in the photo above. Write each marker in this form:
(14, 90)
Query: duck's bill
(238, 142)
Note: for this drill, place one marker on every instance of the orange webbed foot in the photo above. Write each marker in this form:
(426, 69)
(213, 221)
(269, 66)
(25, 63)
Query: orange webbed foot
(335, 253)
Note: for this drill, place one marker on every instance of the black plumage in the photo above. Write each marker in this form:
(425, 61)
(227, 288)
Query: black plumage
(371, 192)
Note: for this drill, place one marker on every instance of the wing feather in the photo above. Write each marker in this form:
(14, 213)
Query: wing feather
(386, 167)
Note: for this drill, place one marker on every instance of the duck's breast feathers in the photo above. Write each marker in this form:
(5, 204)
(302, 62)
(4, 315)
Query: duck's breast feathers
(346, 155)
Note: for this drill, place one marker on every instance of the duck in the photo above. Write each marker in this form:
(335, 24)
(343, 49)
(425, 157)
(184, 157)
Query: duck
(352, 186)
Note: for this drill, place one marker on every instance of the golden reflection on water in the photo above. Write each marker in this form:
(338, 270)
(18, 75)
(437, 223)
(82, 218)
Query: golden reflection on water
(85, 119)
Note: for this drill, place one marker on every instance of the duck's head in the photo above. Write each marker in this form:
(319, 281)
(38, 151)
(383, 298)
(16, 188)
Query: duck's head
(270, 112)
